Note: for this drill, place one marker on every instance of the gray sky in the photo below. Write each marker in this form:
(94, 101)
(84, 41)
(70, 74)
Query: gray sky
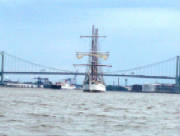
(138, 32)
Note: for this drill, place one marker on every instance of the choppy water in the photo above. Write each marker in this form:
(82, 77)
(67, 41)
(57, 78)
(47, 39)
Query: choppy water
(39, 112)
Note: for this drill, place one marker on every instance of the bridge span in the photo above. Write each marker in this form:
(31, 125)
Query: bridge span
(82, 74)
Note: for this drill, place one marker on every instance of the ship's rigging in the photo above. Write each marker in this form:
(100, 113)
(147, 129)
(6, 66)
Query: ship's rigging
(94, 66)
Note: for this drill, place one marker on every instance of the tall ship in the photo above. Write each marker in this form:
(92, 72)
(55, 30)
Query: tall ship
(94, 81)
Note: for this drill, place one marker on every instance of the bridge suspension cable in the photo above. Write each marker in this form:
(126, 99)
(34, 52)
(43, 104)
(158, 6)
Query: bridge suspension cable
(15, 64)
(162, 68)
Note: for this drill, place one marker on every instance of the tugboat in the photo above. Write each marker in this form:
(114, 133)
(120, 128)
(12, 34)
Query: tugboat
(93, 81)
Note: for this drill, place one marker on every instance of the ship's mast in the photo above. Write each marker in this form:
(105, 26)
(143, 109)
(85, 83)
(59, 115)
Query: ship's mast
(94, 59)
(94, 55)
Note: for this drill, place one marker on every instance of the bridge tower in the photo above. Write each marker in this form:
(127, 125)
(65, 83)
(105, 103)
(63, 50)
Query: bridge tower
(178, 71)
(2, 67)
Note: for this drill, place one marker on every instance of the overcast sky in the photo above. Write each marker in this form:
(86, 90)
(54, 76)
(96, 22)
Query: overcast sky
(138, 32)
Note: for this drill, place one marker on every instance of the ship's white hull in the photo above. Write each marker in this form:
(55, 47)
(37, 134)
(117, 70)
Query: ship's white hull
(94, 88)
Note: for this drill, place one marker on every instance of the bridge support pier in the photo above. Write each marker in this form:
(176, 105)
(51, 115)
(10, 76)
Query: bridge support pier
(2, 67)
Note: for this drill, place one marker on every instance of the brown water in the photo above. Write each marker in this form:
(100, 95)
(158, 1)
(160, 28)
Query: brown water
(40, 112)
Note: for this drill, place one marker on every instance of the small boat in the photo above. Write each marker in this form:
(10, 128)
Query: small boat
(67, 86)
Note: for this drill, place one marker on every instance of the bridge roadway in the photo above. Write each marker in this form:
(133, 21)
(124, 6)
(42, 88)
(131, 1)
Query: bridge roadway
(81, 74)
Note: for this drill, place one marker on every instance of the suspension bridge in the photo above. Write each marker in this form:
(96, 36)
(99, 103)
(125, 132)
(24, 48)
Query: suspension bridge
(167, 69)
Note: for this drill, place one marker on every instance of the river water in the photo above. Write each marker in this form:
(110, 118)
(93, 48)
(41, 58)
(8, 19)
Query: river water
(42, 112)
